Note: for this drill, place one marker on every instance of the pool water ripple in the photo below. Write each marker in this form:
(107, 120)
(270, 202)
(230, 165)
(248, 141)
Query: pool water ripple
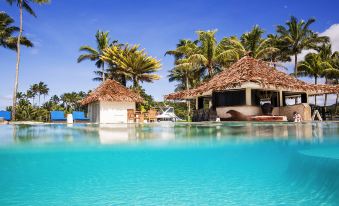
(174, 164)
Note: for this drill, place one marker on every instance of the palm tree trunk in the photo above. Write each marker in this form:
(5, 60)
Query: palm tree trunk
(295, 64)
(135, 82)
(103, 72)
(188, 101)
(17, 64)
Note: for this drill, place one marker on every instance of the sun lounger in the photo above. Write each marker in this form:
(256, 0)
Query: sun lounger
(6, 115)
(58, 116)
(79, 116)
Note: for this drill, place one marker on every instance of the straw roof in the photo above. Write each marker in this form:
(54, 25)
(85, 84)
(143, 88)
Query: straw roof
(112, 91)
(250, 70)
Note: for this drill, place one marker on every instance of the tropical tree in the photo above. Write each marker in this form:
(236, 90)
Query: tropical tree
(335, 80)
(33, 91)
(103, 42)
(22, 5)
(211, 55)
(7, 33)
(55, 99)
(41, 89)
(133, 63)
(314, 66)
(282, 55)
(185, 72)
(298, 36)
(252, 44)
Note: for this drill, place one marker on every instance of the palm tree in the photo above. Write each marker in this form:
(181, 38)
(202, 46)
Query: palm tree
(211, 55)
(135, 64)
(251, 44)
(314, 66)
(103, 42)
(282, 55)
(42, 89)
(335, 80)
(331, 75)
(7, 38)
(298, 37)
(23, 5)
(55, 99)
(33, 91)
(20, 95)
(184, 71)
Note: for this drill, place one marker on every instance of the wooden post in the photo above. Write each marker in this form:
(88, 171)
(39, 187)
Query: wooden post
(248, 97)
(281, 99)
(196, 103)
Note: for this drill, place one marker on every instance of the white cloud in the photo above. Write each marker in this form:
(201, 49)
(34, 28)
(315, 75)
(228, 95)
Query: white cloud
(333, 33)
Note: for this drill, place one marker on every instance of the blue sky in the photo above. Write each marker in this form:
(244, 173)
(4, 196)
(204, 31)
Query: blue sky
(157, 25)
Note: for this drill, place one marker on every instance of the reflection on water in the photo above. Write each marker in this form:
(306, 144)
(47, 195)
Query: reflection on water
(233, 163)
(119, 133)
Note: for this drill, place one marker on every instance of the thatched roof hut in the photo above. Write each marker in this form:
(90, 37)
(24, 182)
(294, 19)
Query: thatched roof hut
(257, 72)
(112, 91)
(110, 101)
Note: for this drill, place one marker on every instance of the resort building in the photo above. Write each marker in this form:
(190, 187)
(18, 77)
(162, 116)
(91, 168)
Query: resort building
(245, 86)
(109, 103)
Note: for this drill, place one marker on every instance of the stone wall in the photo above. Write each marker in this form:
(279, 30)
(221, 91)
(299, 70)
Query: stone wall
(303, 109)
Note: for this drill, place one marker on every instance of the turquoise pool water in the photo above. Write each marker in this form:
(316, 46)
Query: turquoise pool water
(170, 164)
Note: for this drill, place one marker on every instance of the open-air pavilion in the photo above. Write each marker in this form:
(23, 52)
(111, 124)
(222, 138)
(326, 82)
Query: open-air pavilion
(245, 86)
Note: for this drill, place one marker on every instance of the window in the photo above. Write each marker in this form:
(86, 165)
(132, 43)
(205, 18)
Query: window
(229, 98)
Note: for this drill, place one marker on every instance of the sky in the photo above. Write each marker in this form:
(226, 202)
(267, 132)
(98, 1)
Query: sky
(62, 26)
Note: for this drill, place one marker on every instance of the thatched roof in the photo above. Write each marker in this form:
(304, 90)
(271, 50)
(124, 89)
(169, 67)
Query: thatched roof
(112, 91)
(250, 70)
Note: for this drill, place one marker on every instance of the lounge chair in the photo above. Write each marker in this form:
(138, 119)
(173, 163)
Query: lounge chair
(6, 115)
(130, 115)
(79, 116)
(58, 116)
(152, 115)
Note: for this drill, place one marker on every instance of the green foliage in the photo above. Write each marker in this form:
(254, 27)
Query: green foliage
(8, 39)
(148, 103)
(132, 63)
(27, 110)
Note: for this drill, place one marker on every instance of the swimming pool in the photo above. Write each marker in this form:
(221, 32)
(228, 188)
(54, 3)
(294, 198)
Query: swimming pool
(236, 163)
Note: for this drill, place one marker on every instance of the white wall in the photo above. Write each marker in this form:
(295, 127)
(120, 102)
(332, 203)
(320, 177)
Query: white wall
(114, 112)
(94, 112)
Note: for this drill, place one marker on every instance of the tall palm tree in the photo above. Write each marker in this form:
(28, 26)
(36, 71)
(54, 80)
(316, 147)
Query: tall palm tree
(282, 55)
(103, 42)
(211, 55)
(252, 44)
(135, 64)
(7, 33)
(314, 66)
(22, 5)
(55, 99)
(184, 71)
(335, 80)
(298, 36)
(33, 91)
(42, 89)
(331, 75)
